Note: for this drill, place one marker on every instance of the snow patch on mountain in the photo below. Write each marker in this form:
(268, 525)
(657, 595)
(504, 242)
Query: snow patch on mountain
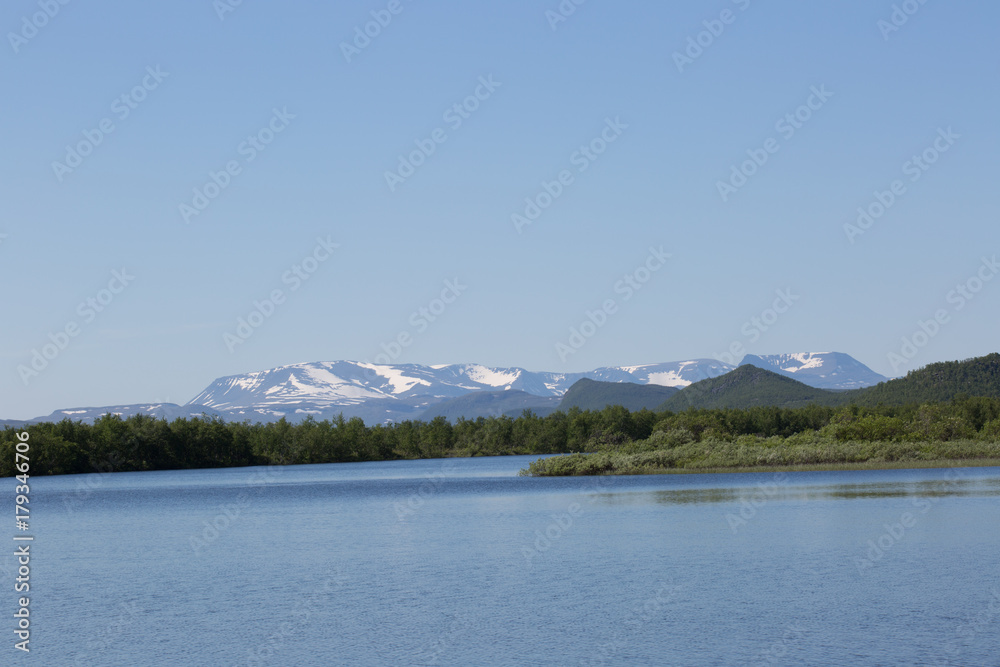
(493, 377)
(823, 370)
(346, 383)
(668, 379)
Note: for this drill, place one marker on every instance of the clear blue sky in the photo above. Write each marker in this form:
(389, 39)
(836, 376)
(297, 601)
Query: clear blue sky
(162, 336)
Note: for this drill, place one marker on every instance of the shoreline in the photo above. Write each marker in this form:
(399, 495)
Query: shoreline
(710, 470)
(806, 467)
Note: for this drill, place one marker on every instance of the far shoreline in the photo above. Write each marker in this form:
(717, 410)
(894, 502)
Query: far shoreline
(805, 467)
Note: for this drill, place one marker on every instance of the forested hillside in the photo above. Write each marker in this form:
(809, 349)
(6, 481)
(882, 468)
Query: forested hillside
(587, 394)
(745, 387)
(936, 382)
(749, 386)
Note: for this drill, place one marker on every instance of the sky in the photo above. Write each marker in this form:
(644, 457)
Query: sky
(197, 189)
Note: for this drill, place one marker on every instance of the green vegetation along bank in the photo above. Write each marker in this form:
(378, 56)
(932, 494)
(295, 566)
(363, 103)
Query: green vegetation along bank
(614, 440)
(806, 451)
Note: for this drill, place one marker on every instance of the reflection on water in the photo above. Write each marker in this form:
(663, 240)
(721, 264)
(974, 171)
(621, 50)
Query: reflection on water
(781, 489)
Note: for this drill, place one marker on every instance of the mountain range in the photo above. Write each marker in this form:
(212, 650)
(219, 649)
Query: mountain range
(388, 393)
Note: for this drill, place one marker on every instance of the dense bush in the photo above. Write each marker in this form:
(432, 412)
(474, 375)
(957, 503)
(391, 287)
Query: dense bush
(748, 452)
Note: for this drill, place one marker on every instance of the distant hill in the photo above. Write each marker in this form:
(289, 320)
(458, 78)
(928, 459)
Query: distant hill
(745, 387)
(589, 394)
(491, 404)
(168, 411)
(749, 386)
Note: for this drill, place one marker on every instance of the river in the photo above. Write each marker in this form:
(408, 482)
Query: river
(462, 562)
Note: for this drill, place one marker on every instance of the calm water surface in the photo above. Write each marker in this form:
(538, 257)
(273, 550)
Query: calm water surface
(461, 562)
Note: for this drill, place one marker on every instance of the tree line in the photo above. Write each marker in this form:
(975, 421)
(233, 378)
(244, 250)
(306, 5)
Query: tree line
(140, 442)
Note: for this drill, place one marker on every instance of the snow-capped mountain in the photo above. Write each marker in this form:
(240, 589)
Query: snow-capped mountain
(313, 388)
(383, 393)
(670, 374)
(824, 370)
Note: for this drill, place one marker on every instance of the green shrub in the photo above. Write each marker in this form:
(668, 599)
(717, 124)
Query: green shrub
(991, 430)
